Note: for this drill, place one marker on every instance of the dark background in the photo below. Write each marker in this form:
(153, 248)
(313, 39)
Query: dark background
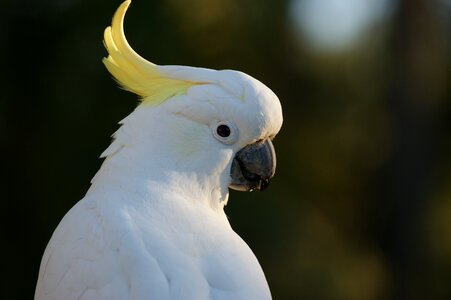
(360, 207)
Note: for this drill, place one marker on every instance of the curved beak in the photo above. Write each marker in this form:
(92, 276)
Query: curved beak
(253, 166)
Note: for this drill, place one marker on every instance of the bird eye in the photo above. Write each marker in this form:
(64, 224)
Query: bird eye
(225, 132)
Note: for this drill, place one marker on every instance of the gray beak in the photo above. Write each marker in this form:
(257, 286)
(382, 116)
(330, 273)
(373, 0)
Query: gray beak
(253, 166)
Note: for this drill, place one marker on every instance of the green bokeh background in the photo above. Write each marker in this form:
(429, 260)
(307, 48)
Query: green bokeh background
(360, 207)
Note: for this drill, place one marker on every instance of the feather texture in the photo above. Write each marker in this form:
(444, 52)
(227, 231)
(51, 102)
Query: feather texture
(133, 72)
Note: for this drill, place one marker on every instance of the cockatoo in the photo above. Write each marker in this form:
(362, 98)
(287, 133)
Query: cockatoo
(152, 224)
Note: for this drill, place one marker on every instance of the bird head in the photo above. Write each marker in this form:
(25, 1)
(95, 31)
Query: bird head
(213, 128)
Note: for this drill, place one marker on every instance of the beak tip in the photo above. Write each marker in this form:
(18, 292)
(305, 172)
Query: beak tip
(264, 183)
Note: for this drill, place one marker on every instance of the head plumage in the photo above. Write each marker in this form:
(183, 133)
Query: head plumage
(133, 72)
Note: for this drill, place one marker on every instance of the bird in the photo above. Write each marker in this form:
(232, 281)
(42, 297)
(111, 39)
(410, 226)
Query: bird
(152, 223)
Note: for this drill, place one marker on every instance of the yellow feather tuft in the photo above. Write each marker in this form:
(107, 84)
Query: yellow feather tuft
(133, 72)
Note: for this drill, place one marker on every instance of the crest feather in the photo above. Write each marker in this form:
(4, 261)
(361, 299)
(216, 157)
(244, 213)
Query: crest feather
(133, 72)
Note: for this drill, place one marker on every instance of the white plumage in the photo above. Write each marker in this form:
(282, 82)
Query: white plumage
(152, 224)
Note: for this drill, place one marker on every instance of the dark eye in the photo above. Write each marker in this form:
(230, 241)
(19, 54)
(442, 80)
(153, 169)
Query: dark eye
(223, 130)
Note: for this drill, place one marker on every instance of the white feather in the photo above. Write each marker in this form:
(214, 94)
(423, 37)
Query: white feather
(152, 225)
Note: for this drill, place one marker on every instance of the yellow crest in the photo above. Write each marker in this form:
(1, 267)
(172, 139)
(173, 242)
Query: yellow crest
(133, 72)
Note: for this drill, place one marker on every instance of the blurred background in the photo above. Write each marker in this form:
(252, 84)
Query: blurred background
(360, 207)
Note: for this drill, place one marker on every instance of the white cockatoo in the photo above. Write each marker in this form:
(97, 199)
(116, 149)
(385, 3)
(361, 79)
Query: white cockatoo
(152, 225)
